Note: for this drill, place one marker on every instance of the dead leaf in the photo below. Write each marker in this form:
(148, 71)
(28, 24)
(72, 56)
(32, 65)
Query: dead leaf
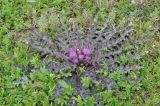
(36, 84)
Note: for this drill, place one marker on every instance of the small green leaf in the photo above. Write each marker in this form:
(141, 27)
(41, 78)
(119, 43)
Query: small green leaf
(68, 90)
(123, 59)
(79, 101)
(81, 69)
(35, 60)
(63, 84)
(90, 101)
(85, 82)
(106, 49)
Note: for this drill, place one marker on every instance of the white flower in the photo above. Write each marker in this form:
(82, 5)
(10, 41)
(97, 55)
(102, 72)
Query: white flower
(153, 45)
(130, 23)
(146, 52)
(27, 42)
(132, 1)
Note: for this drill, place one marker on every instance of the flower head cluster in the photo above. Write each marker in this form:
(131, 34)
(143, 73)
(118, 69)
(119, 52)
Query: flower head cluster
(78, 56)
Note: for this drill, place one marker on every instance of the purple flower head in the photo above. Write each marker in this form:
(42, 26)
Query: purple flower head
(78, 56)
(81, 57)
(87, 58)
(87, 51)
(75, 61)
(72, 54)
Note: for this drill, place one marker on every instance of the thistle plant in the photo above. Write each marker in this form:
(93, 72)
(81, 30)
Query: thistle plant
(98, 51)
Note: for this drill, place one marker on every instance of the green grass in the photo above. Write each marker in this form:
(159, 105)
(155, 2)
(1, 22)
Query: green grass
(17, 15)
